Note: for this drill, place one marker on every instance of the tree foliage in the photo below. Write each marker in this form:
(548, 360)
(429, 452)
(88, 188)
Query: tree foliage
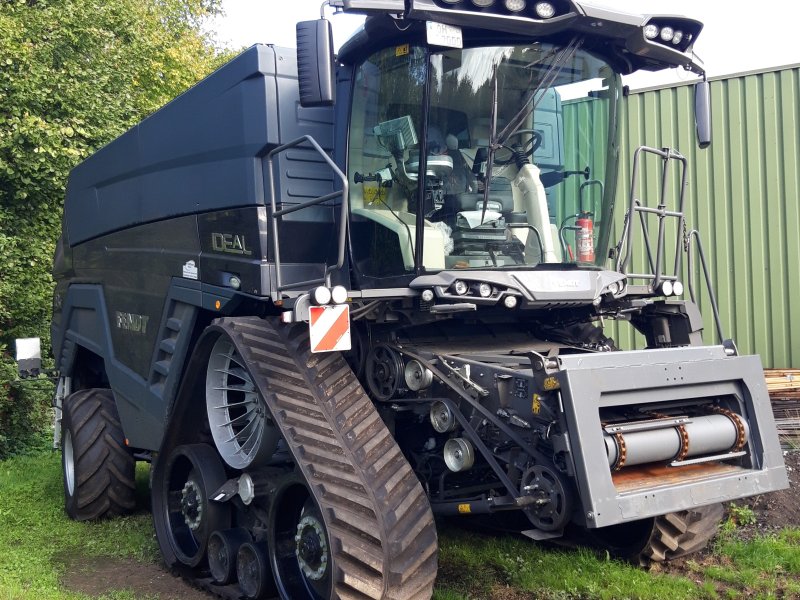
(74, 74)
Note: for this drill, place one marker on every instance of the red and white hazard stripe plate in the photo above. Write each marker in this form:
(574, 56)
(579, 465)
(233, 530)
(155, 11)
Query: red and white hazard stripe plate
(329, 327)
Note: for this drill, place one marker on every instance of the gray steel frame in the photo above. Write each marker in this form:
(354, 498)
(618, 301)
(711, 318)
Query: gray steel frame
(591, 382)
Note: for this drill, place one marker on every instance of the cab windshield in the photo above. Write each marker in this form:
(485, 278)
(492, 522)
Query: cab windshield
(517, 165)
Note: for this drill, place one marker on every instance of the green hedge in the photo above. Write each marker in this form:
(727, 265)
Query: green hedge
(74, 74)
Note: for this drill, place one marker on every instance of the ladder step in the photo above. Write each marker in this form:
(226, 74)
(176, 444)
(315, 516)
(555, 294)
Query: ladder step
(167, 345)
(162, 366)
(174, 324)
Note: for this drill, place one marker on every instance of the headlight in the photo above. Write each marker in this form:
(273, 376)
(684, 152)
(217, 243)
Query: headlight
(485, 290)
(667, 33)
(515, 5)
(460, 287)
(483, 3)
(651, 31)
(544, 10)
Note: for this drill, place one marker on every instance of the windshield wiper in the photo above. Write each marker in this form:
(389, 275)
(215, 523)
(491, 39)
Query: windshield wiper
(528, 106)
(531, 102)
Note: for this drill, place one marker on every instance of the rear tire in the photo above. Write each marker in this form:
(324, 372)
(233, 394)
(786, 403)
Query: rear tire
(662, 538)
(99, 471)
(677, 534)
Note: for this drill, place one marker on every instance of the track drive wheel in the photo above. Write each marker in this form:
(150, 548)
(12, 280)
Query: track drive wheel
(661, 538)
(99, 471)
(183, 514)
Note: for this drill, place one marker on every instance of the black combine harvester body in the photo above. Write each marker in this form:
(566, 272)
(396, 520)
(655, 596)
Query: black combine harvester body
(320, 350)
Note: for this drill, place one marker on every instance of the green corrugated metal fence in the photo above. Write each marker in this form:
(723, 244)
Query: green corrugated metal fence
(743, 196)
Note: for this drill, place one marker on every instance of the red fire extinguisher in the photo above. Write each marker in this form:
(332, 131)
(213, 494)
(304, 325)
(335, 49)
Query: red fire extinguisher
(584, 239)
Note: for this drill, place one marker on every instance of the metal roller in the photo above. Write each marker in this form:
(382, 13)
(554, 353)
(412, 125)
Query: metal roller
(698, 436)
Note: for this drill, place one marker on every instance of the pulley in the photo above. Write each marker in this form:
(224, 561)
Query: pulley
(384, 372)
(442, 418)
(459, 455)
(417, 376)
(550, 507)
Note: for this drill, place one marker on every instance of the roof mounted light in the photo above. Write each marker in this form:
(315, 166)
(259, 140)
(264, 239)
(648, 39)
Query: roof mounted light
(544, 10)
(515, 5)
(651, 31)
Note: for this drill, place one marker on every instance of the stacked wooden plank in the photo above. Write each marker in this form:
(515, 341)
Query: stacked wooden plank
(784, 392)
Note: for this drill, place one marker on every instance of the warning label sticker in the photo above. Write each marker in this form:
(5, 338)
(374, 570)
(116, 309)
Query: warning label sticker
(329, 328)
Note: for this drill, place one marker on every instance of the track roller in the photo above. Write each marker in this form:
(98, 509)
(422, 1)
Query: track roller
(223, 547)
(252, 569)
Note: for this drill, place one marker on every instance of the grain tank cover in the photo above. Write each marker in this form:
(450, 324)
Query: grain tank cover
(198, 153)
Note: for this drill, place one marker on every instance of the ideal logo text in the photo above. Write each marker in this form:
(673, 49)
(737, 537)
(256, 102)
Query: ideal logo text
(230, 242)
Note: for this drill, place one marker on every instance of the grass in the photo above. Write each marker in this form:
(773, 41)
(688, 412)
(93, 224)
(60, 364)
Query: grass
(37, 538)
(37, 541)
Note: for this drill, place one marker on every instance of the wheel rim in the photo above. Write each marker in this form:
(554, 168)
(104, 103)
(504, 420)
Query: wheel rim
(69, 463)
(243, 432)
(189, 514)
(301, 551)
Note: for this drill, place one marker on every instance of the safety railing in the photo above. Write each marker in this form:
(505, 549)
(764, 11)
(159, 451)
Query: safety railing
(275, 214)
(655, 261)
(685, 242)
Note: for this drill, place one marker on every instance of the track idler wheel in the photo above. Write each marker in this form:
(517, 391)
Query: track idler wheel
(300, 549)
(183, 514)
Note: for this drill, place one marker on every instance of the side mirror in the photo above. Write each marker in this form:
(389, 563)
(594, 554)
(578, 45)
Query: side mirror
(315, 67)
(29, 357)
(702, 112)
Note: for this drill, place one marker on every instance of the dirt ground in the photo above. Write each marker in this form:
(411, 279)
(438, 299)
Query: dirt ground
(779, 509)
(98, 576)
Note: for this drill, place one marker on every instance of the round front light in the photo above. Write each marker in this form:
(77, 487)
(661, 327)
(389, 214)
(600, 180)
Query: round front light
(322, 295)
(676, 39)
(667, 33)
(514, 5)
(613, 287)
(666, 288)
(651, 31)
(452, 1)
(485, 290)
(677, 288)
(483, 3)
(545, 10)
(510, 301)
(339, 294)
(427, 295)
(460, 287)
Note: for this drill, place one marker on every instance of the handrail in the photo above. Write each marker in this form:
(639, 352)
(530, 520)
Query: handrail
(694, 234)
(661, 211)
(275, 213)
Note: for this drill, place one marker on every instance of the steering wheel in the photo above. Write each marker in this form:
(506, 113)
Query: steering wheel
(526, 148)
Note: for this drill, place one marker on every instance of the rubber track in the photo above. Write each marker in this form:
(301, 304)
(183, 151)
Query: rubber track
(383, 536)
(681, 533)
(105, 482)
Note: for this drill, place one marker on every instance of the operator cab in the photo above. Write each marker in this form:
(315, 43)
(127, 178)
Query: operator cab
(517, 143)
